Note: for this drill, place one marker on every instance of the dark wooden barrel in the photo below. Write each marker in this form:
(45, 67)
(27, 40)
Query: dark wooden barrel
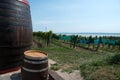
(15, 32)
(35, 65)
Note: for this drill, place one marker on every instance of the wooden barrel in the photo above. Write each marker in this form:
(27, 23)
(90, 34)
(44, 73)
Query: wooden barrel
(35, 65)
(15, 32)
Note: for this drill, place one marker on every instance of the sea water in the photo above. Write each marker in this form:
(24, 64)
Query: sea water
(92, 34)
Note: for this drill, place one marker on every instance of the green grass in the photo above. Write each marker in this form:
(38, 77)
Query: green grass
(92, 65)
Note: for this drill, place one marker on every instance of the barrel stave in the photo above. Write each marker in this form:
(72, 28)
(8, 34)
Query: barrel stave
(15, 32)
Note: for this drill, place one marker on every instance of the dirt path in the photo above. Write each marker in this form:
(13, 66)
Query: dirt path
(75, 75)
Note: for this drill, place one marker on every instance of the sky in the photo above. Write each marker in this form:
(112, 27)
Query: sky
(76, 15)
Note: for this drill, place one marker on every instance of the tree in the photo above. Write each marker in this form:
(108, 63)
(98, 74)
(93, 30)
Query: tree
(48, 37)
(55, 36)
(73, 41)
(89, 41)
(98, 42)
(43, 37)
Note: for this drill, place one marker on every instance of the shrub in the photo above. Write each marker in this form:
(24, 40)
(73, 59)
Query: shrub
(115, 59)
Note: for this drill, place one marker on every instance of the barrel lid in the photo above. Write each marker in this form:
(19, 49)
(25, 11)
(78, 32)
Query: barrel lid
(24, 1)
(35, 54)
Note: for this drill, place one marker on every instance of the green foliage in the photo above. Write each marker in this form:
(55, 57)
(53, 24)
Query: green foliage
(48, 37)
(66, 38)
(45, 36)
(55, 36)
(55, 67)
(91, 39)
(73, 41)
(100, 69)
(115, 59)
(91, 43)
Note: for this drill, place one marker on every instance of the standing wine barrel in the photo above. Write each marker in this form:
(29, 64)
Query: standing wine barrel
(15, 33)
(35, 65)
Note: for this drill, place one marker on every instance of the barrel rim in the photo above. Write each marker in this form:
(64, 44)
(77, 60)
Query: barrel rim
(24, 1)
(35, 58)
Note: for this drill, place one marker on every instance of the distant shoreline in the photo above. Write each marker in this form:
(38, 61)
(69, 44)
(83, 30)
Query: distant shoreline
(90, 34)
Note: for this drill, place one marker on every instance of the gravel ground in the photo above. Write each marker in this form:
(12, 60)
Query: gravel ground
(11, 76)
(75, 75)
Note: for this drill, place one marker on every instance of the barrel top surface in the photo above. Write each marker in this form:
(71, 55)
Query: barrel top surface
(35, 54)
(24, 1)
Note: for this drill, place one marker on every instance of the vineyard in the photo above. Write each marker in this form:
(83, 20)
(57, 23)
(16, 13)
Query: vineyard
(97, 58)
(93, 43)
